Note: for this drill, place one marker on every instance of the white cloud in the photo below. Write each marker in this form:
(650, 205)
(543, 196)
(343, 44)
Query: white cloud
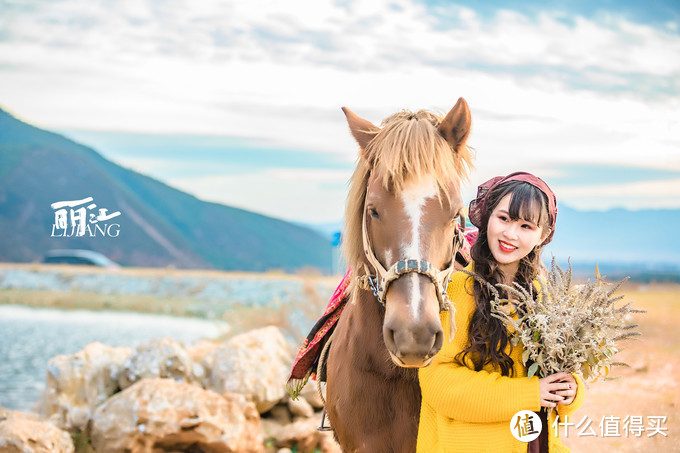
(297, 195)
(543, 90)
(638, 195)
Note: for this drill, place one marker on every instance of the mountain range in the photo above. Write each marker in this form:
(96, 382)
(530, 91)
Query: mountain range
(144, 222)
(162, 226)
(641, 244)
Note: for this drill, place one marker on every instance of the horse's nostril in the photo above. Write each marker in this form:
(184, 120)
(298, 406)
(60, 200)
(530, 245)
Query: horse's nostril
(389, 340)
(438, 342)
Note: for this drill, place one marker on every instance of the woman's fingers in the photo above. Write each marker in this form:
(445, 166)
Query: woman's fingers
(562, 376)
(558, 386)
(565, 393)
(570, 380)
(567, 401)
(559, 377)
(553, 397)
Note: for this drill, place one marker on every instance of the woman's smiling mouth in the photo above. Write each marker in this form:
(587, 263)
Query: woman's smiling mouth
(506, 247)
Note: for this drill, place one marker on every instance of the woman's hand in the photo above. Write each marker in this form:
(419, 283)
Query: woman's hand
(558, 388)
(570, 393)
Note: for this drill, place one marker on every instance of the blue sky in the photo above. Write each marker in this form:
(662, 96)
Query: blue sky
(239, 102)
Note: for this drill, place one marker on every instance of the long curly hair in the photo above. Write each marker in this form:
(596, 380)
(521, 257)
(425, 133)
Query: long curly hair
(488, 337)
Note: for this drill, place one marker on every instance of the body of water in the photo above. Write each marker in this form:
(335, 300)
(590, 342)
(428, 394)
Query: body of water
(29, 337)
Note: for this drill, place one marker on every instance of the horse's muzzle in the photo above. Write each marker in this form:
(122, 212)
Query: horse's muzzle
(412, 328)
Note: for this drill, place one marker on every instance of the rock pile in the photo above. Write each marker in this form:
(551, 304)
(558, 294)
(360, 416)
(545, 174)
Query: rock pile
(163, 397)
(21, 433)
(163, 414)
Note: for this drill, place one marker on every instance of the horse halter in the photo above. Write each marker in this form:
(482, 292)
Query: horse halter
(380, 281)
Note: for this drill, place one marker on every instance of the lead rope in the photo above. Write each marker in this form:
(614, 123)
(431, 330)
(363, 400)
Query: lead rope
(319, 367)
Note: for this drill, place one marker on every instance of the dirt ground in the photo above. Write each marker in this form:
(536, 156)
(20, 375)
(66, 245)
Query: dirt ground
(648, 389)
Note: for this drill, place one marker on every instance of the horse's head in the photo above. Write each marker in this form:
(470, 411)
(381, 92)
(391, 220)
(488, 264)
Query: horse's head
(401, 221)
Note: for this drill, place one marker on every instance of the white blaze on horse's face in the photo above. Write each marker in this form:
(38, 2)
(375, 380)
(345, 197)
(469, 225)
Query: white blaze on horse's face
(414, 223)
(414, 198)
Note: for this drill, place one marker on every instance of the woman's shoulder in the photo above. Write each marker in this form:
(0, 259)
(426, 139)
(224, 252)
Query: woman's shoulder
(461, 275)
(462, 281)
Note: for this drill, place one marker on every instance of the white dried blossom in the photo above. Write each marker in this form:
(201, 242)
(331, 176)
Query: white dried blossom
(565, 327)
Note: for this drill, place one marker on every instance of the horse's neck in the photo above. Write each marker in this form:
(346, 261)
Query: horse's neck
(370, 352)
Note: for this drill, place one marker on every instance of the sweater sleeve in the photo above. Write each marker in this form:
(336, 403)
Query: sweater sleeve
(472, 396)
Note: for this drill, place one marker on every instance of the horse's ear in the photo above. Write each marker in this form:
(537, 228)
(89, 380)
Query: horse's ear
(455, 128)
(362, 130)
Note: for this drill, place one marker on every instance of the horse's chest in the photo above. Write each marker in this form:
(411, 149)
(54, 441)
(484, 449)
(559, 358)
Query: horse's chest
(377, 415)
(373, 405)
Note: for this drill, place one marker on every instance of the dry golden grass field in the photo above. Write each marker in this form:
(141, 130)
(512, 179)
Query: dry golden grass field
(649, 388)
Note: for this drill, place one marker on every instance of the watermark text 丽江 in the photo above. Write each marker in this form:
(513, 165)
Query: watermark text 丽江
(80, 219)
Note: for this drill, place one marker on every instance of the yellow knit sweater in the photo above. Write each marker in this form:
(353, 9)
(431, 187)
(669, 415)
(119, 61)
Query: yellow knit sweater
(470, 411)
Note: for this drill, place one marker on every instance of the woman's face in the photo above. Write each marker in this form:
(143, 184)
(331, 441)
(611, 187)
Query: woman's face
(511, 240)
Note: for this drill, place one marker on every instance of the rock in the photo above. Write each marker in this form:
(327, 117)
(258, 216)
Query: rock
(157, 358)
(270, 429)
(300, 408)
(310, 392)
(280, 414)
(25, 433)
(301, 434)
(166, 415)
(255, 364)
(77, 383)
(6, 414)
(200, 350)
(198, 354)
(327, 444)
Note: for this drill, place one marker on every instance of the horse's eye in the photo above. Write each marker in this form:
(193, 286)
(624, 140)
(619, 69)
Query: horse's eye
(373, 213)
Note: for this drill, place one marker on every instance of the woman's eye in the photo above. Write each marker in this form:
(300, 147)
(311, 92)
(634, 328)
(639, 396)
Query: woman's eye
(503, 218)
(373, 213)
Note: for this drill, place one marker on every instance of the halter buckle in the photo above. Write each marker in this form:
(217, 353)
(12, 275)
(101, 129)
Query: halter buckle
(375, 287)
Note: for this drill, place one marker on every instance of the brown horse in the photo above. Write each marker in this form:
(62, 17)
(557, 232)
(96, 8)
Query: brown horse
(400, 230)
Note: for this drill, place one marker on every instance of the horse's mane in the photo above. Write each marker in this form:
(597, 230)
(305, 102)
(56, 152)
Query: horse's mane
(407, 147)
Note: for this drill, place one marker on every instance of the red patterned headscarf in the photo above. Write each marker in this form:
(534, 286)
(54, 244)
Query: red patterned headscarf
(478, 207)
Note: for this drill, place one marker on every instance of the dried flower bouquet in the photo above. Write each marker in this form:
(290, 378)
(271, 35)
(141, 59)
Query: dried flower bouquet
(565, 327)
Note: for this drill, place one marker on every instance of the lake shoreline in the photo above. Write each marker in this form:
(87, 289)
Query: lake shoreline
(242, 299)
(35, 335)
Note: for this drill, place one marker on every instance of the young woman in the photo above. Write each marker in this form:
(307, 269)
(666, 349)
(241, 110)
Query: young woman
(477, 382)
